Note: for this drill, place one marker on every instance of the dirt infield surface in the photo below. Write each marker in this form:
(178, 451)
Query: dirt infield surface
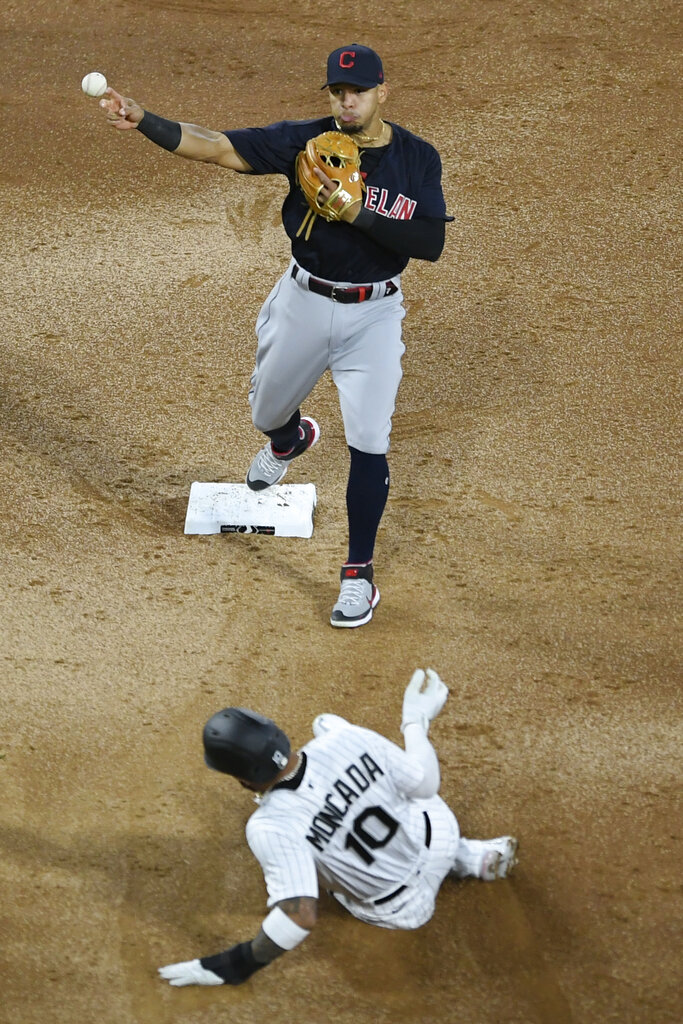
(528, 551)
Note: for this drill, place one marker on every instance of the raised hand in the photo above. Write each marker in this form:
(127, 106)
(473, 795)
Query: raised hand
(424, 697)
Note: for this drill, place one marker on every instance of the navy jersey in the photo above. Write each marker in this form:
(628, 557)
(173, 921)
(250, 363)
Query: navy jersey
(403, 180)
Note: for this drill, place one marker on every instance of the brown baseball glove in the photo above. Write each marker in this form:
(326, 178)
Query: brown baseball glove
(339, 157)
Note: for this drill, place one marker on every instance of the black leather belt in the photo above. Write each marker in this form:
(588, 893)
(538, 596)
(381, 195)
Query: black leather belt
(402, 888)
(359, 293)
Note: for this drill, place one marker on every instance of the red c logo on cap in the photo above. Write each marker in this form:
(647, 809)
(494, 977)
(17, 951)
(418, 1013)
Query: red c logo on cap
(347, 59)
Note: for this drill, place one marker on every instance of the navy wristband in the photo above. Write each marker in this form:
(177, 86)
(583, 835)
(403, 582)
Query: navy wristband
(234, 966)
(166, 134)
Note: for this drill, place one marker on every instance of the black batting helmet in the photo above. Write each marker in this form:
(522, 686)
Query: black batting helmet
(243, 743)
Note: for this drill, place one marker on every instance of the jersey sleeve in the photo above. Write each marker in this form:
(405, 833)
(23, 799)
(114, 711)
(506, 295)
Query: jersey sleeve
(288, 867)
(431, 202)
(274, 148)
(405, 772)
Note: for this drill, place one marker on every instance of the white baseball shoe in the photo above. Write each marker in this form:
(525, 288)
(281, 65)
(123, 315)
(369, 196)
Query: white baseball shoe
(268, 468)
(487, 859)
(499, 858)
(358, 596)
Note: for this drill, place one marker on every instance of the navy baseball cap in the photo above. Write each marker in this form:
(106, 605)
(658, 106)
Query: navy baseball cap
(356, 65)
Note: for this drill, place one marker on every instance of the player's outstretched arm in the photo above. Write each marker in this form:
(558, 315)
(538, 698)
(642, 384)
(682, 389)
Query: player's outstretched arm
(424, 697)
(287, 925)
(187, 140)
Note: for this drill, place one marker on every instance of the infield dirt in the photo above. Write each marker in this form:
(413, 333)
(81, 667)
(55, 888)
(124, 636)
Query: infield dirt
(529, 550)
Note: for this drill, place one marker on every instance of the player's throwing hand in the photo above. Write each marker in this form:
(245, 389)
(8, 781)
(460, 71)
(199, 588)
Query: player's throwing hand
(122, 112)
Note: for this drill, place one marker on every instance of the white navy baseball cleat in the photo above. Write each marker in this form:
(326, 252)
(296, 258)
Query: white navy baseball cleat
(487, 859)
(268, 468)
(357, 597)
(499, 858)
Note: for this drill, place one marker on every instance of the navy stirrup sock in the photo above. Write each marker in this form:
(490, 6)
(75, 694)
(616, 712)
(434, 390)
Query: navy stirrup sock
(284, 438)
(366, 496)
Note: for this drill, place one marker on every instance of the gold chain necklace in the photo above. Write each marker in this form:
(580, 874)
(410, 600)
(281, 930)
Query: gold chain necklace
(361, 135)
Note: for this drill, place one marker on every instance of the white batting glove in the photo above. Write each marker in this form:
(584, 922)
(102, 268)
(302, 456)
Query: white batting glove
(190, 972)
(424, 697)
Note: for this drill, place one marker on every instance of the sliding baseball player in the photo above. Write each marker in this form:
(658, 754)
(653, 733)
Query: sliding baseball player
(351, 812)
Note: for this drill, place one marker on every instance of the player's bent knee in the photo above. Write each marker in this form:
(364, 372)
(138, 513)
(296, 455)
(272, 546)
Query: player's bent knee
(265, 421)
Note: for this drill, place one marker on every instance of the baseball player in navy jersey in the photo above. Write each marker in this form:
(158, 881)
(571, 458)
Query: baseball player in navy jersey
(351, 812)
(338, 306)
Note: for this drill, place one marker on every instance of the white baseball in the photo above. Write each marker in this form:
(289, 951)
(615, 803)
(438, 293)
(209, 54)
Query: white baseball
(94, 84)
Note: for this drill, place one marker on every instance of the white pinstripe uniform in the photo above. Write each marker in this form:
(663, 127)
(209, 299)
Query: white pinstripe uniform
(351, 826)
